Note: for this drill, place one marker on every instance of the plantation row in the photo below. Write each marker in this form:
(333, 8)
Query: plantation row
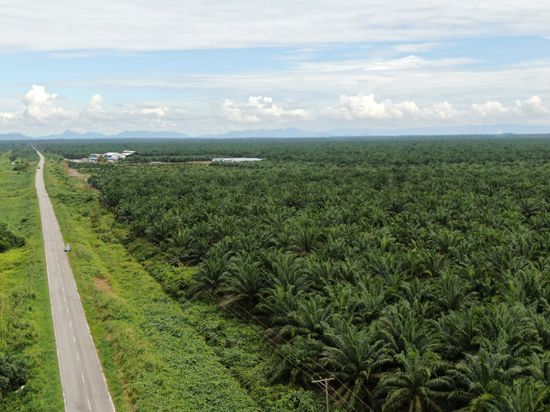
(419, 281)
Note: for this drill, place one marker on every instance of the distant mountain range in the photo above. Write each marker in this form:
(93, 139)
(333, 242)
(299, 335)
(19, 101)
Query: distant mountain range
(299, 133)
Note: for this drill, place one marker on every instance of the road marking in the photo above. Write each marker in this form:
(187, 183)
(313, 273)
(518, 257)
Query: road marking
(82, 377)
(70, 324)
(74, 340)
(63, 289)
(77, 356)
(89, 405)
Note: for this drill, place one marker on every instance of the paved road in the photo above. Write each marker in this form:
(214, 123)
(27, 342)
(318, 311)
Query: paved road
(84, 386)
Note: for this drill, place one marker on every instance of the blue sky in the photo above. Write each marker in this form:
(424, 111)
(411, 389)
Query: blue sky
(211, 67)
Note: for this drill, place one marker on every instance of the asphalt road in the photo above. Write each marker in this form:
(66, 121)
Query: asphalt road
(84, 386)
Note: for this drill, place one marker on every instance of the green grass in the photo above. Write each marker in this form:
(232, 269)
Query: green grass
(240, 343)
(26, 328)
(152, 358)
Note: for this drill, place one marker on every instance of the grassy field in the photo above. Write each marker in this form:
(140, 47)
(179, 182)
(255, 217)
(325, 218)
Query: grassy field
(26, 328)
(153, 359)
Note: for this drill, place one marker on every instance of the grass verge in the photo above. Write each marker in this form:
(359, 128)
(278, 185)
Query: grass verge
(26, 327)
(152, 358)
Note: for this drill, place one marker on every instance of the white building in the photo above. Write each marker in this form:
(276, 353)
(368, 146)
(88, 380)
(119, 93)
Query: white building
(111, 156)
(236, 159)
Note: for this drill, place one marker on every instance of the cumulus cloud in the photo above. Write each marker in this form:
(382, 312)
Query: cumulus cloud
(42, 112)
(259, 108)
(532, 106)
(95, 103)
(155, 111)
(233, 113)
(40, 106)
(365, 106)
(490, 108)
(6, 117)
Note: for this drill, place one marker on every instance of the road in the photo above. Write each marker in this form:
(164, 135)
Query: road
(84, 386)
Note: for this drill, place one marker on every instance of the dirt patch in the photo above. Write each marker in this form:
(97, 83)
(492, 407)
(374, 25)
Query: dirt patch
(199, 162)
(103, 285)
(75, 173)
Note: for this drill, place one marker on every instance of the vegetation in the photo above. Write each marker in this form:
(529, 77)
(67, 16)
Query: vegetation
(8, 239)
(152, 353)
(29, 378)
(413, 272)
(12, 374)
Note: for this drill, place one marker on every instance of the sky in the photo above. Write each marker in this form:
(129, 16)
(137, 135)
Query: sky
(205, 67)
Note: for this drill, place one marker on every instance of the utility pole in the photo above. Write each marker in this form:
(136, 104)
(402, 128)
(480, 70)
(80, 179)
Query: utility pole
(324, 382)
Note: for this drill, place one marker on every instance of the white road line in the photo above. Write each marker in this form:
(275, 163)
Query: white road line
(74, 339)
(77, 356)
(89, 405)
(70, 324)
(82, 377)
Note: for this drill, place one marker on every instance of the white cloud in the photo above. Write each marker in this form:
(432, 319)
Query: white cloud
(95, 103)
(490, 108)
(234, 114)
(410, 62)
(175, 24)
(6, 117)
(259, 108)
(365, 106)
(40, 106)
(42, 113)
(533, 105)
(155, 111)
(443, 111)
(265, 107)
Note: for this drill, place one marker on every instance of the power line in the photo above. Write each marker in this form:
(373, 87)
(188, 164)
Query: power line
(309, 374)
(315, 362)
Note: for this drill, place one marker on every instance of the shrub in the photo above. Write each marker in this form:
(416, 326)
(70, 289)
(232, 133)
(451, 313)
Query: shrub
(12, 374)
(8, 239)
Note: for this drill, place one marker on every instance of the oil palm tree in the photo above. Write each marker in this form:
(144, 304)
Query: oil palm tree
(404, 329)
(356, 359)
(523, 395)
(243, 282)
(476, 374)
(417, 385)
(310, 318)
